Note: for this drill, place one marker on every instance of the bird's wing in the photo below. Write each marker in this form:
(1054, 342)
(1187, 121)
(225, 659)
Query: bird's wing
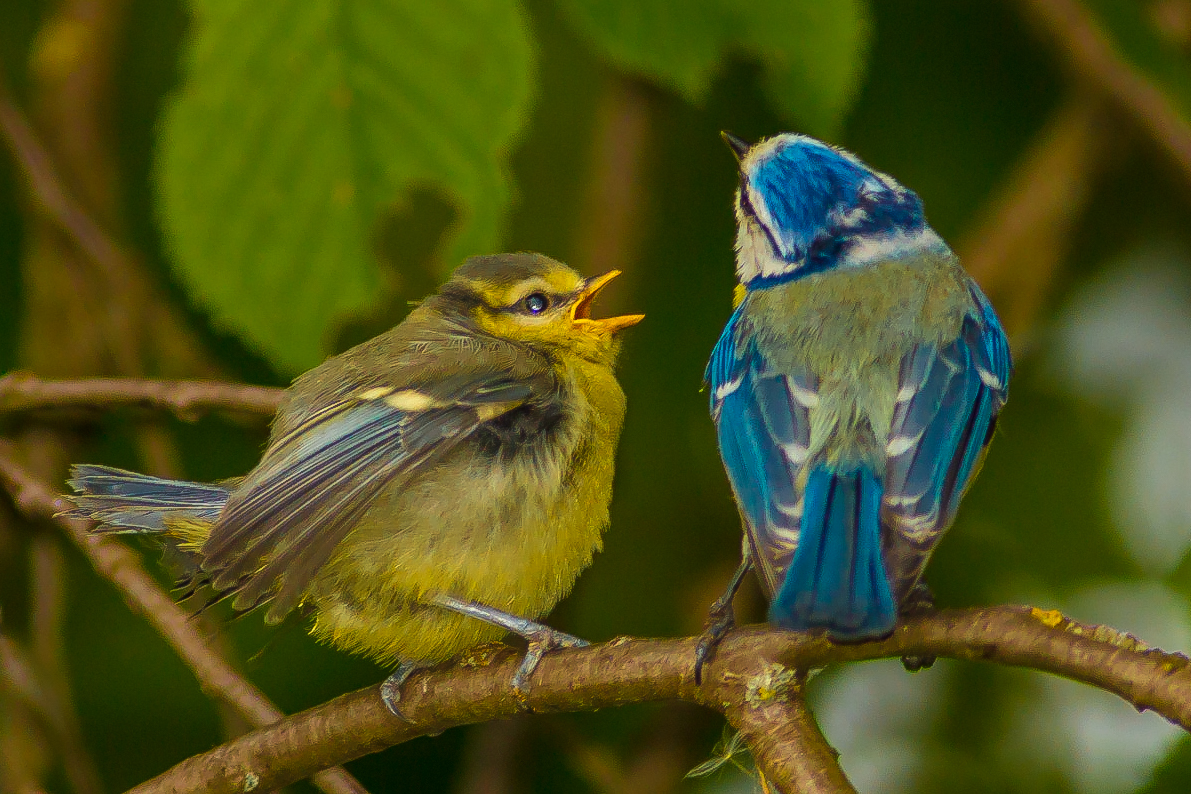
(762, 419)
(947, 405)
(322, 472)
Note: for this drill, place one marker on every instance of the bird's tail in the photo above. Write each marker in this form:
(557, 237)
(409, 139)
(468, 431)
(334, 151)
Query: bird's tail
(126, 502)
(837, 579)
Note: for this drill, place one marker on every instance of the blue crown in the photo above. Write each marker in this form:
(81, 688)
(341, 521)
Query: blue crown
(820, 207)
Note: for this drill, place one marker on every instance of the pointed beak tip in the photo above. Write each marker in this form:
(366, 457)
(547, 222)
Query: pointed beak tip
(739, 146)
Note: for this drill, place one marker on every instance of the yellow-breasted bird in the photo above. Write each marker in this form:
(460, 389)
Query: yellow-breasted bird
(427, 490)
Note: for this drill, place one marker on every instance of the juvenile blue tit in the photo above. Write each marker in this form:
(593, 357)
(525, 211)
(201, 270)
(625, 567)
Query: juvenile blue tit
(854, 390)
(424, 492)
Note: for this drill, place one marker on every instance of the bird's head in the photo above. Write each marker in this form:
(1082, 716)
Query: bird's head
(804, 207)
(538, 301)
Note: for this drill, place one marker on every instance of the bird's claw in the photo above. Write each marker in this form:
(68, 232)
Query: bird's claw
(390, 688)
(920, 601)
(720, 620)
(541, 642)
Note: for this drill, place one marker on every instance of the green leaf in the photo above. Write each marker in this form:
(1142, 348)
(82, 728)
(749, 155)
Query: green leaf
(301, 121)
(812, 51)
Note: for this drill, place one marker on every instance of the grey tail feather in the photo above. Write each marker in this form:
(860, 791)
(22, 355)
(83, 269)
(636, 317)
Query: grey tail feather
(126, 502)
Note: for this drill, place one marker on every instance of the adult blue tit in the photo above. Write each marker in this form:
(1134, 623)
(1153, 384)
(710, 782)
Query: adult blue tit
(854, 390)
(424, 492)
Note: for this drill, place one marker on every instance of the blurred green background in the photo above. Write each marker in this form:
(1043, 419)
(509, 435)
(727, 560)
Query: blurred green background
(285, 177)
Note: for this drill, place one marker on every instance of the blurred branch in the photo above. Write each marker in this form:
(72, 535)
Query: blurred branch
(489, 764)
(22, 391)
(46, 615)
(36, 687)
(738, 683)
(616, 191)
(1093, 57)
(1022, 235)
(121, 567)
(47, 187)
(27, 720)
(126, 308)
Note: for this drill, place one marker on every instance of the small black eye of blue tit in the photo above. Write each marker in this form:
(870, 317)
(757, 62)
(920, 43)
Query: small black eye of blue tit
(535, 303)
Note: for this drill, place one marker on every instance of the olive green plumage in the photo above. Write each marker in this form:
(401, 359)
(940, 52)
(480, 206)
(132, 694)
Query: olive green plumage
(467, 452)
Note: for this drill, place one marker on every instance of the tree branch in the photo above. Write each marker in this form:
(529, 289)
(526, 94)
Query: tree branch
(187, 399)
(636, 670)
(1092, 55)
(120, 566)
(770, 713)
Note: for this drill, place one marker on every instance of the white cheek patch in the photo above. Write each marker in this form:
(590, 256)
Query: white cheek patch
(867, 249)
(755, 257)
(761, 211)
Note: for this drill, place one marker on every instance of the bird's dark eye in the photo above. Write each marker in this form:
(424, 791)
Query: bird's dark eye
(535, 303)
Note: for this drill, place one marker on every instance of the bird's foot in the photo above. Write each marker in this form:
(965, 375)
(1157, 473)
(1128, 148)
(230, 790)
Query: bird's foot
(919, 602)
(540, 642)
(390, 689)
(721, 618)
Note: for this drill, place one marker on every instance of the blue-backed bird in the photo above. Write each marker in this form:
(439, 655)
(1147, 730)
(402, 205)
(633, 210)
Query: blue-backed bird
(854, 390)
(425, 491)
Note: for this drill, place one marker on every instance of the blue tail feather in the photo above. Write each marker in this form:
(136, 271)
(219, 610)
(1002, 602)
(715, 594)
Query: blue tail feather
(124, 501)
(837, 579)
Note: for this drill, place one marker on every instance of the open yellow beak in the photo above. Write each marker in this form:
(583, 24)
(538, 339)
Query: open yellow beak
(581, 308)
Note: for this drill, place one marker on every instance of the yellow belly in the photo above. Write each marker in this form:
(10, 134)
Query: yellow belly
(508, 534)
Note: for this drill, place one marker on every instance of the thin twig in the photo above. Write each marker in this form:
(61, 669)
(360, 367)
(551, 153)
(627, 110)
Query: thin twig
(187, 399)
(633, 671)
(1092, 55)
(130, 310)
(121, 567)
(47, 186)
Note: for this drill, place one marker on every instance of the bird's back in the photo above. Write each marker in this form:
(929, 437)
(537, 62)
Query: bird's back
(812, 395)
(849, 330)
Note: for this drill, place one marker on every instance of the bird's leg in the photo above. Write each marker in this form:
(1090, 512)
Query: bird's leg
(720, 618)
(540, 638)
(919, 601)
(390, 690)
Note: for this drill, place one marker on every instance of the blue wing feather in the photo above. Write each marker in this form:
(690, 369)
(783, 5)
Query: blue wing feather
(948, 403)
(762, 431)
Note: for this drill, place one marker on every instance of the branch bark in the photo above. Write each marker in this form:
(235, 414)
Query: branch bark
(121, 567)
(738, 683)
(186, 399)
(771, 714)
